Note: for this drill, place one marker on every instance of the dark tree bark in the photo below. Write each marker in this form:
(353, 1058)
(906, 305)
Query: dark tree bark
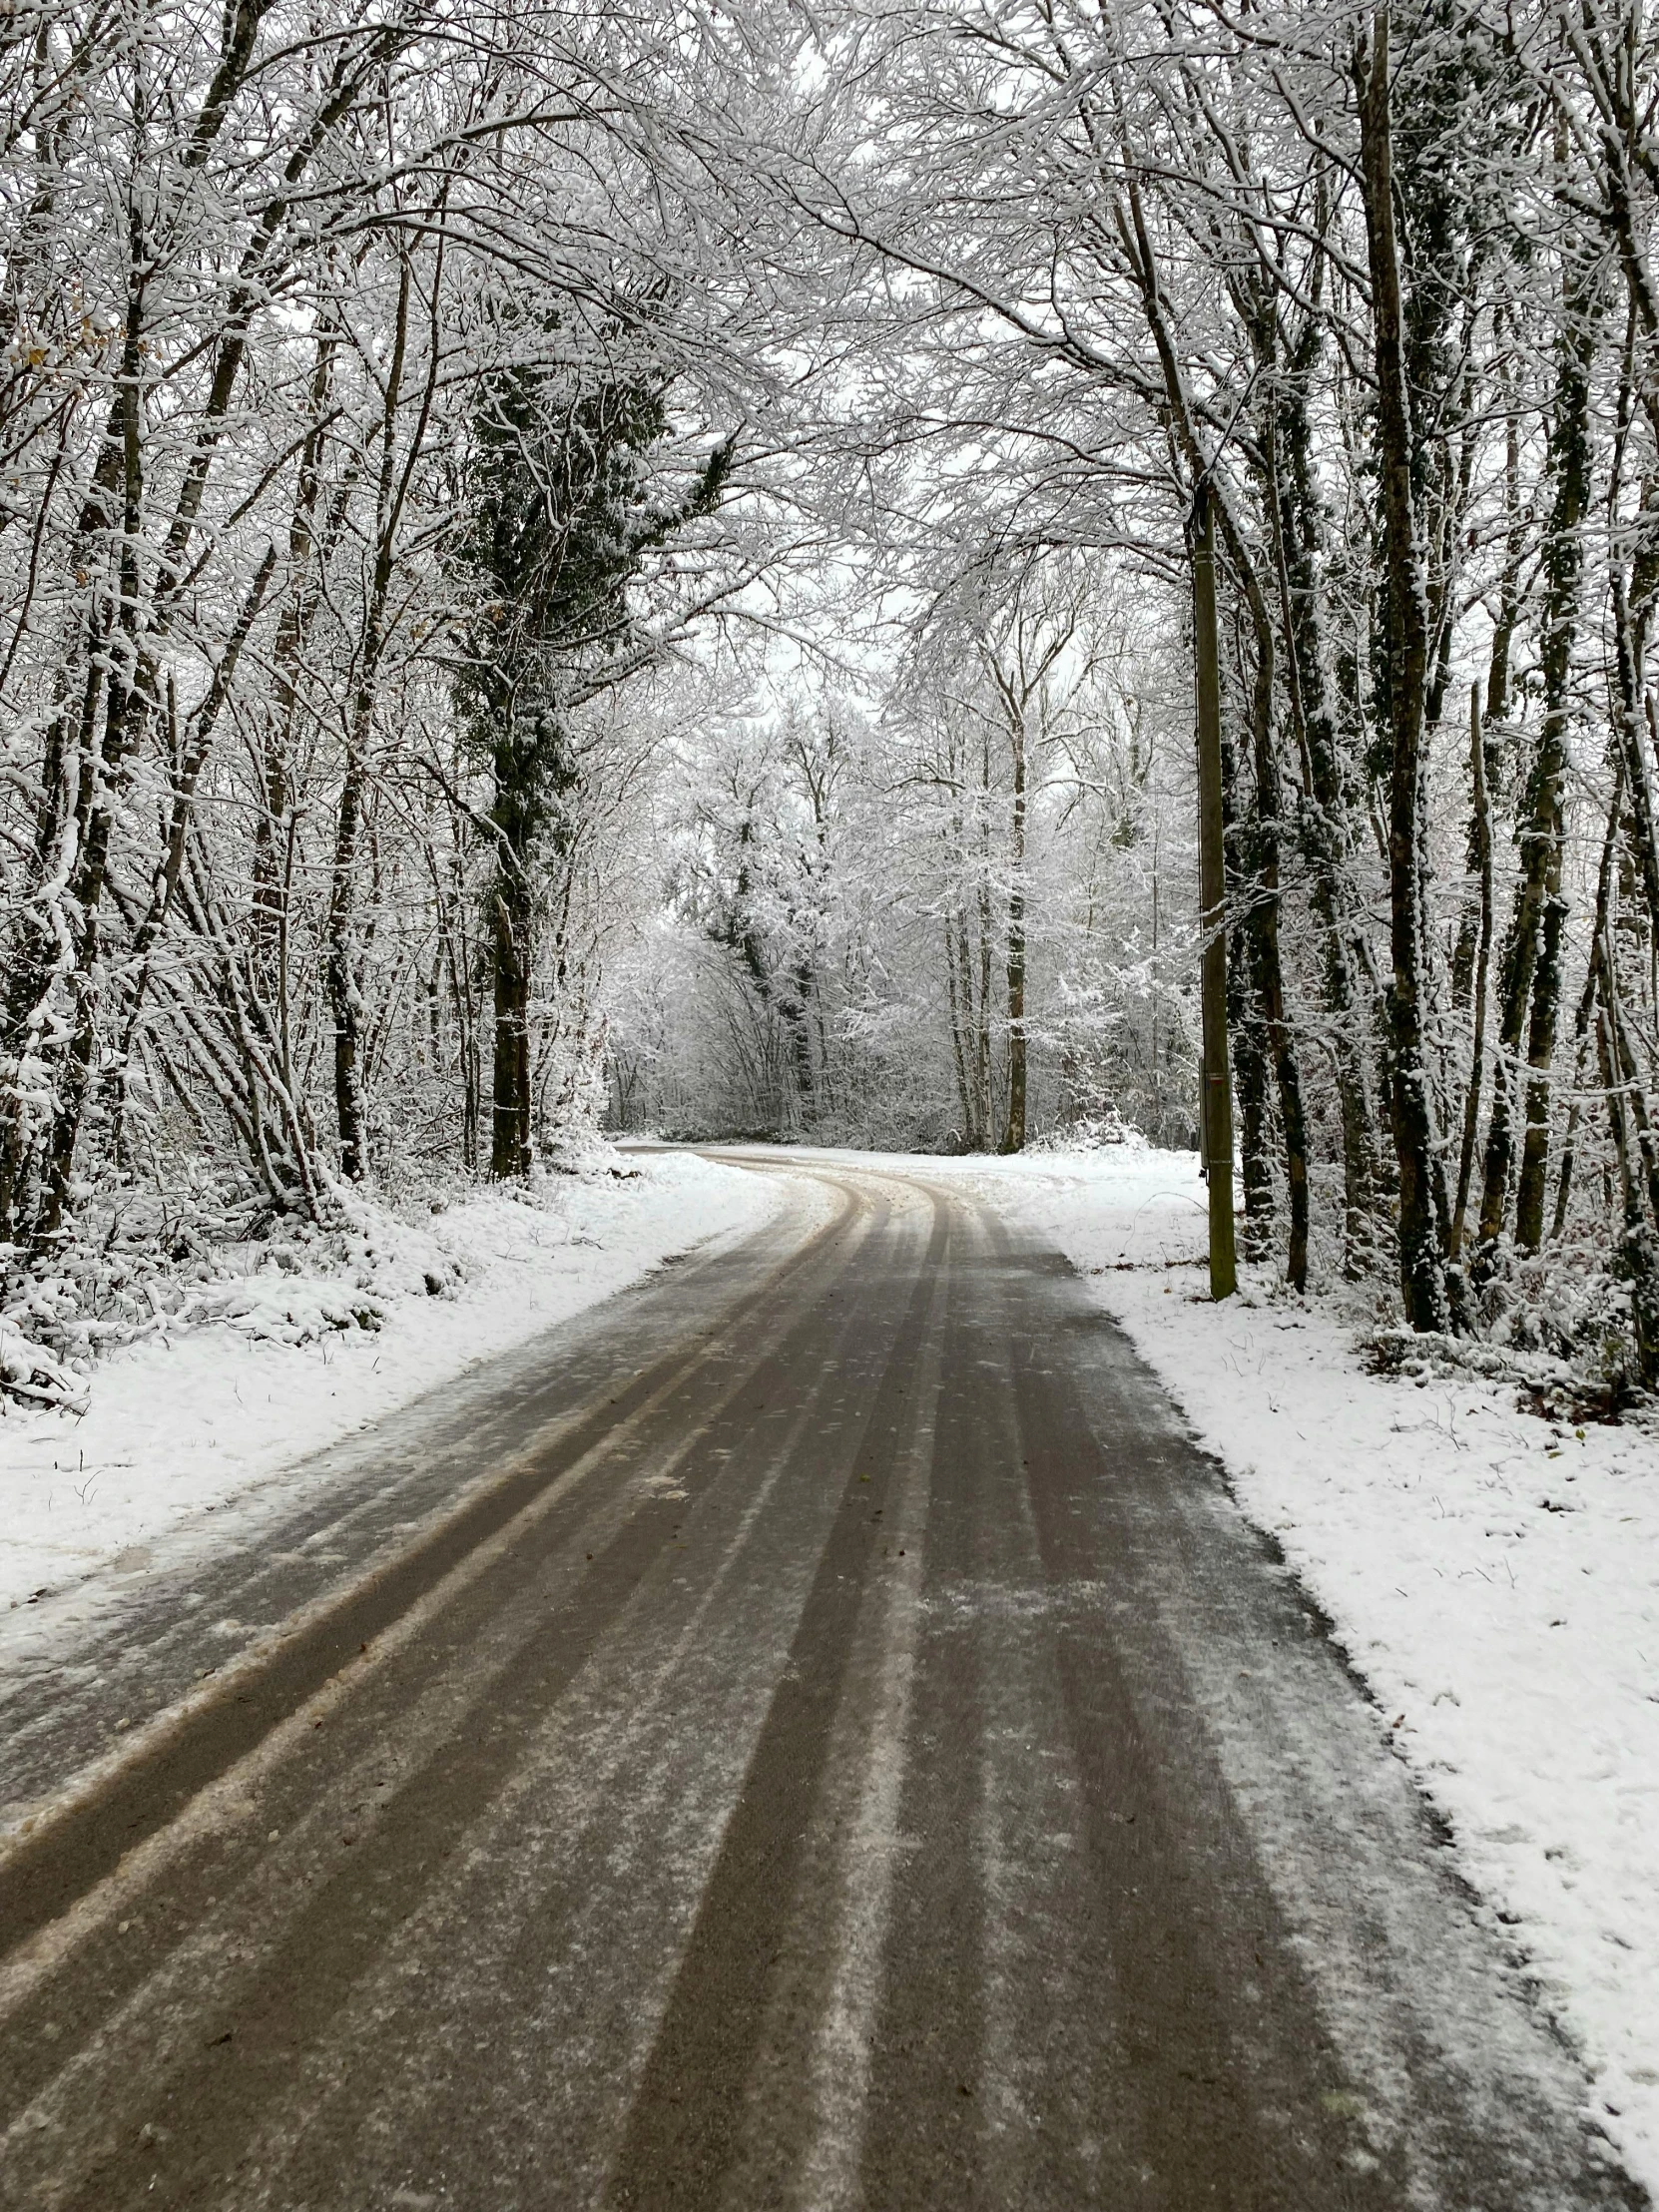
(1510, 594)
(1324, 835)
(1634, 592)
(1257, 839)
(1258, 846)
(1423, 1214)
(511, 914)
(1636, 1150)
(341, 980)
(1589, 997)
(102, 769)
(1480, 841)
(1531, 972)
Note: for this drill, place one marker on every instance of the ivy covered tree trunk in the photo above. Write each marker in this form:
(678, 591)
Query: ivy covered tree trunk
(560, 526)
(1564, 567)
(535, 777)
(1529, 975)
(1325, 833)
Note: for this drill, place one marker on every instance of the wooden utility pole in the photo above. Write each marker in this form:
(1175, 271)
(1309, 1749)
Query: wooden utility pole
(1216, 1088)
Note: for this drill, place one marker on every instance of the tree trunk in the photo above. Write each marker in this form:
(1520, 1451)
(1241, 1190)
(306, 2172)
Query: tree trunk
(1250, 1091)
(1261, 924)
(1263, 890)
(1590, 997)
(341, 964)
(512, 946)
(1531, 967)
(1324, 828)
(341, 953)
(1514, 544)
(1631, 1127)
(1013, 1128)
(1480, 841)
(102, 767)
(1422, 1271)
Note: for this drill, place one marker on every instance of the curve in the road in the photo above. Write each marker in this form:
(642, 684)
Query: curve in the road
(847, 1751)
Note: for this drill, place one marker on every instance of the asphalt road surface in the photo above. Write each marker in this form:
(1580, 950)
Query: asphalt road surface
(813, 1733)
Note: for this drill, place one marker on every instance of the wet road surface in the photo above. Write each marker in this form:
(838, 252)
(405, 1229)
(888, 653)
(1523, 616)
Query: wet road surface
(813, 1733)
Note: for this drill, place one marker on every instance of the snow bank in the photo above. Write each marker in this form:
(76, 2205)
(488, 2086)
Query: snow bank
(1495, 1576)
(259, 1370)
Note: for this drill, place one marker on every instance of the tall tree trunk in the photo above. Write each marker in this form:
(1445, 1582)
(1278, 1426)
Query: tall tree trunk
(1260, 839)
(1634, 590)
(1636, 1148)
(1590, 997)
(1565, 568)
(1262, 923)
(512, 957)
(1480, 838)
(1013, 1128)
(103, 764)
(341, 978)
(1639, 1251)
(984, 1048)
(42, 938)
(1423, 1207)
(1531, 966)
(1324, 830)
(1250, 1092)
(959, 987)
(1514, 547)
(340, 965)
(1247, 1034)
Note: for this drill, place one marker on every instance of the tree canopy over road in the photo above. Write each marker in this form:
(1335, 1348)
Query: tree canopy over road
(583, 564)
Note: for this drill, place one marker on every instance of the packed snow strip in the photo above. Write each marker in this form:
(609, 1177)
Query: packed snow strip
(1495, 1576)
(263, 1368)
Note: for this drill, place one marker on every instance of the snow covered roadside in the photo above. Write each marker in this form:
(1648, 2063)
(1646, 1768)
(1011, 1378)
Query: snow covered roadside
(1494, 1577)
(279, 1363)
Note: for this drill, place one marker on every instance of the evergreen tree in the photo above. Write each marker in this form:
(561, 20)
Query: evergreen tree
(561, 521)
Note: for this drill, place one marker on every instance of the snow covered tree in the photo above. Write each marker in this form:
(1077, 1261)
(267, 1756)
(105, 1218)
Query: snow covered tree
(561, 517)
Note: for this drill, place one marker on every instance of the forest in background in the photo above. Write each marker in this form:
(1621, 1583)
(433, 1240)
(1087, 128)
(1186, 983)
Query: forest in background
(577, 567)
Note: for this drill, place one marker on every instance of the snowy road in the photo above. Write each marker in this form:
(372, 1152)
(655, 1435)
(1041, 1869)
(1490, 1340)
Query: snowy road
(825, 1738)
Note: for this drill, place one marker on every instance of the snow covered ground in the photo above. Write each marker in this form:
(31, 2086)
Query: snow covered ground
(1494, 1577)
(265, 1367)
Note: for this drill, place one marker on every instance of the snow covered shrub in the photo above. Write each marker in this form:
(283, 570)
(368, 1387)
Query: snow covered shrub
(33, 1374)
(1089, 1132)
